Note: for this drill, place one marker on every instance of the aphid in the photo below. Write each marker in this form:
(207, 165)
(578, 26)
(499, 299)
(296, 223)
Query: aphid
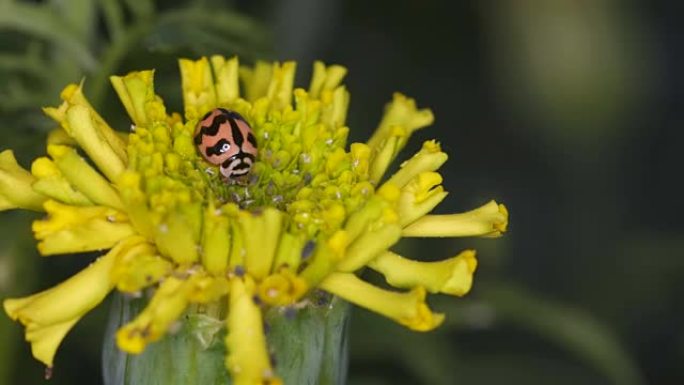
(224, 138)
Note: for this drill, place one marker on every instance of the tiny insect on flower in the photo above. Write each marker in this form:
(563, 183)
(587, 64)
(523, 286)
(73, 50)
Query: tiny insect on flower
(225, 139)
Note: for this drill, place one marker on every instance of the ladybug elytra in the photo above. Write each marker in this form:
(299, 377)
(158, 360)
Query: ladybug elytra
(225, 139)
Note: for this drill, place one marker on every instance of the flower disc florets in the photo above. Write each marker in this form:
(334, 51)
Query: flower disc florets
(312, 213)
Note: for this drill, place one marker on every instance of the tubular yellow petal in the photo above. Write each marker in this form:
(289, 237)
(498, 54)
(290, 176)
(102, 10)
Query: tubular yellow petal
(282, 288)
(175, 238)
(80, 121)
(73, 229)
(136, 92)
(129, 185)
(83, 177)
(247, 360)
(429, 158)
(452, 276)
(290, 250)
(137, 266)
(45, 340)
(420, 196)
(490, 220)
(408, 309)
(367, 246)
(325, 78)
(386, 152)
(50, 314)
(226, 77)
(165, 307)
(335, 112)
(261, 232)
(83, 126)
(256, 80)
(199, 94)
(359, 221)
(280, 87)
(401, 111)
(15, 185)
(215, 241)
(50, 182)
(326, 256)
(59, 136)
(208, 289)
(238, 250)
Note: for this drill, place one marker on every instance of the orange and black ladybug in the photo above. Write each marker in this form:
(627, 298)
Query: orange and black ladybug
(224, 138)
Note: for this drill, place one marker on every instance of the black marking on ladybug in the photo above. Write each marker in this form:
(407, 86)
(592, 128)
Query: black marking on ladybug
(210, 130)
(241, 158)
(232, 114)
(251, 139)
(235, 130)
(217, 149)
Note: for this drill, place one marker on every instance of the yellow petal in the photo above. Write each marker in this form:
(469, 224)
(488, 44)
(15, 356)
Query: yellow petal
(137, 266)
(367, 246)
(282, 288)
(326, 255)
(74, 229)
(325, 78)
(261, 232)
(325, 85)
(280, 88)
(429, 158)
(59, 136)
(247, 360)
(199, 94)
(359, 221)
(208, 290)
(102, 144)
(130, 187)
(15, 185)
(290, 249)
(226, 78)
(176, 237)
(83, 177)
(385, 153)
(136, 92)
(402, 112)
(50, 314)
(165, 308)
(216, 241)
(408, 309)
(490, 220)
(45, 340)
(451, 276)
(51, 182)
(256, 80)
(418, 197)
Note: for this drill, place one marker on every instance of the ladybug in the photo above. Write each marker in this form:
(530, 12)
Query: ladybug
(224, 138)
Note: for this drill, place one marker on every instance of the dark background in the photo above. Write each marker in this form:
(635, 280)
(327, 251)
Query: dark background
(567, 111)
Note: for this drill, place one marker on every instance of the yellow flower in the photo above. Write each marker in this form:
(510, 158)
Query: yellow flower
(314, 213)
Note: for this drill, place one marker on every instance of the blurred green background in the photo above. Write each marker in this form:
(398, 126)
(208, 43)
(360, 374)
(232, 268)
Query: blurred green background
(567, 111)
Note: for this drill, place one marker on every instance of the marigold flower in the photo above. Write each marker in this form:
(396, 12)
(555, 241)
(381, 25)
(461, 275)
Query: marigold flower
(313, 214)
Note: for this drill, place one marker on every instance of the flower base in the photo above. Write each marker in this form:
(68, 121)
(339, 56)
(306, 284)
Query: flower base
(308, 347)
